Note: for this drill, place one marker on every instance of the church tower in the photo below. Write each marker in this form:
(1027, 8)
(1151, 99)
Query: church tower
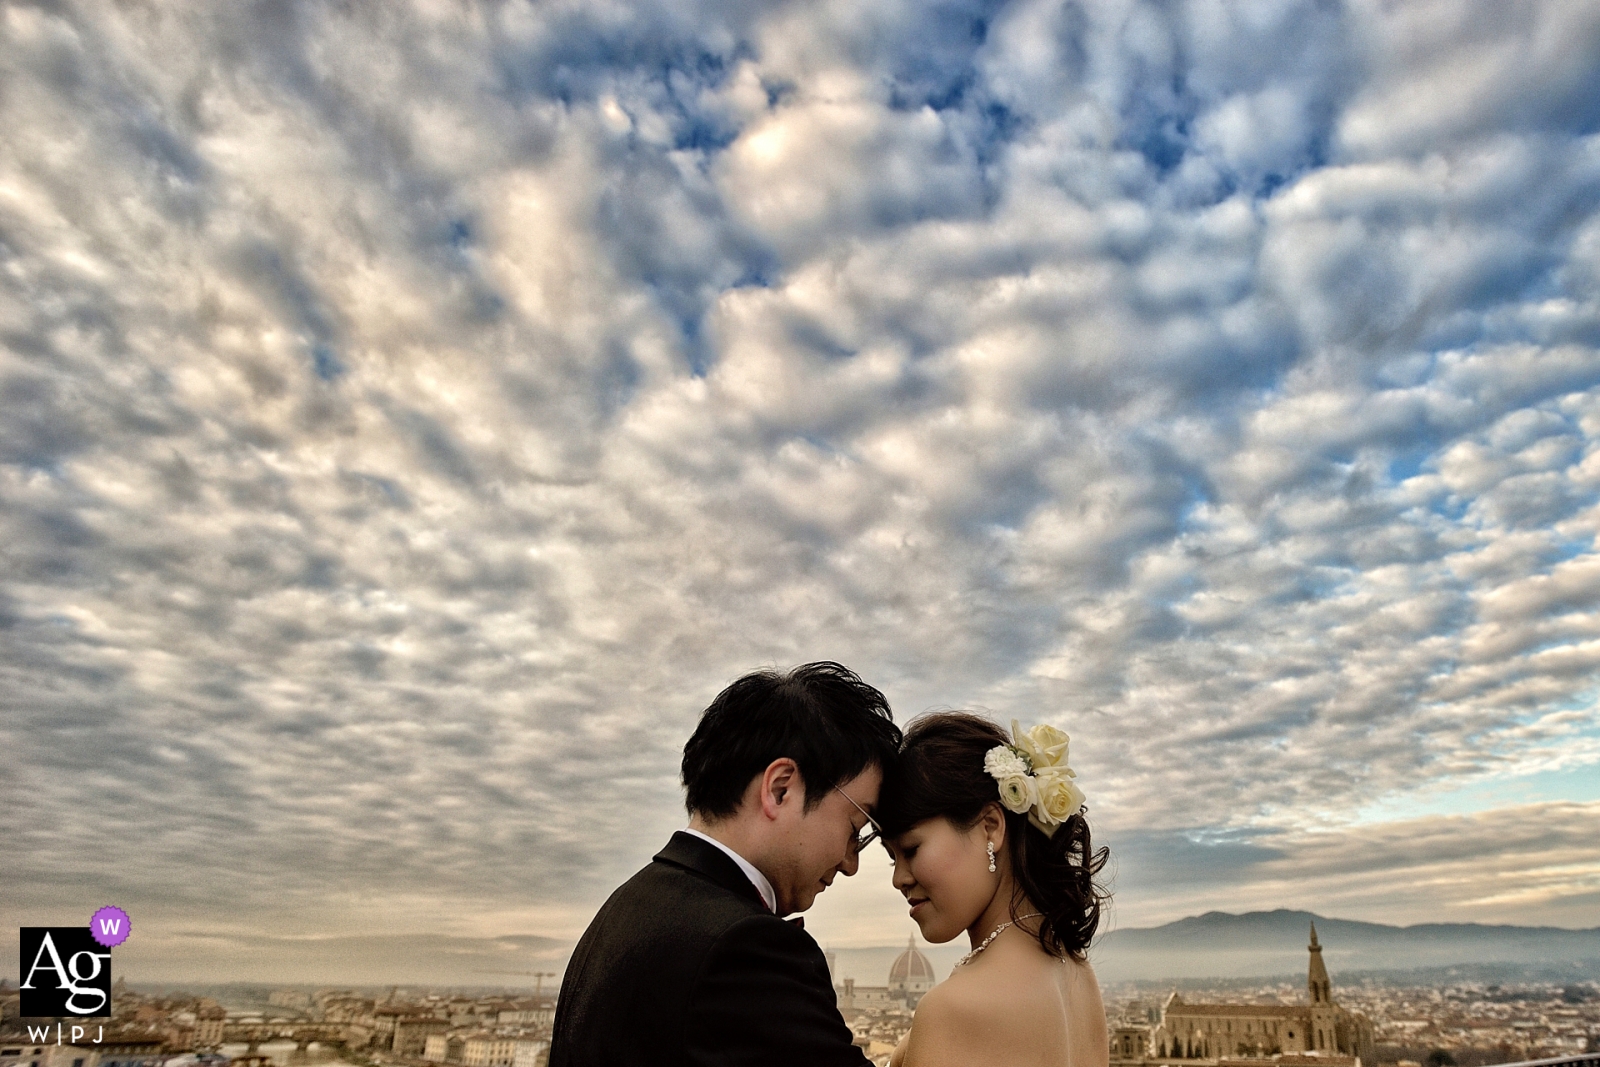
(1324, 1032)
(1317, 979)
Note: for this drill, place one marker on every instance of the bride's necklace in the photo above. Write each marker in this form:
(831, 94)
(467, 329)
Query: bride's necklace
(994, 934)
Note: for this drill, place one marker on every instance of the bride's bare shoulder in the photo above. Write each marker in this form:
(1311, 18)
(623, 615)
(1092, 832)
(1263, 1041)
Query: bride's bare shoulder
(955, 1025)
(1011, 1011)
(970, 1018)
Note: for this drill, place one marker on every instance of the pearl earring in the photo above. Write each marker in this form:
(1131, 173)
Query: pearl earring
(991, 857)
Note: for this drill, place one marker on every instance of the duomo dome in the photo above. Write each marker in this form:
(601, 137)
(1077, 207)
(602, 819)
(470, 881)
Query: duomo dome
(910, 976)
(911, 972)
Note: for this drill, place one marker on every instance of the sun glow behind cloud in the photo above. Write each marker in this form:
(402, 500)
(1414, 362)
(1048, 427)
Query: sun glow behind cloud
(415, 413)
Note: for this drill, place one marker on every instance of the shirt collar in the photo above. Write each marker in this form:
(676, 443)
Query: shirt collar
(769, 896)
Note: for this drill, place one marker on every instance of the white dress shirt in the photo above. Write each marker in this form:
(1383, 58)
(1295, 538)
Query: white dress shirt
(757, 879)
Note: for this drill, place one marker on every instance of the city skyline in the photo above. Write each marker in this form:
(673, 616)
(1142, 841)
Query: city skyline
(1317, 1016)
(415, 413)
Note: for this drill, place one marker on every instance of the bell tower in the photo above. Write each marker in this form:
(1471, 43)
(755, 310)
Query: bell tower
(1317, 978)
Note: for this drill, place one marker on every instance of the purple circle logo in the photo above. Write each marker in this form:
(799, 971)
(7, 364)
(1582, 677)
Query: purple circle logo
(110, 926)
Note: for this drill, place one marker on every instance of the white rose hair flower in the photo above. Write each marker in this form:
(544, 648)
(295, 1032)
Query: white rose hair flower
(1018, 792)
(1003, 761)
(1033, 776)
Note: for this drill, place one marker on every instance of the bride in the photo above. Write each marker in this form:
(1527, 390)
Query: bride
(988, 837)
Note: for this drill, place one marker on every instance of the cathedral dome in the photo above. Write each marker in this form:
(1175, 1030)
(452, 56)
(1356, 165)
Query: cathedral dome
(910, 967)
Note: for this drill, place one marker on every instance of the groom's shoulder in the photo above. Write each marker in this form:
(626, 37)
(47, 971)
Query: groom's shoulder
(668, 929)
(681, 895)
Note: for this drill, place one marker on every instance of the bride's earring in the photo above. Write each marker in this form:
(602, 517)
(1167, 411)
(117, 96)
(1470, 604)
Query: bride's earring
(991, 857)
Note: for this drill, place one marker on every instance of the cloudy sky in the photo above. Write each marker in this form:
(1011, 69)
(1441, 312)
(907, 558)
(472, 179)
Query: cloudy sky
(414, 413)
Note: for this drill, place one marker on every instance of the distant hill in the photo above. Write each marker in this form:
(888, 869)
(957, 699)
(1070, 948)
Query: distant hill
(369, 959)
(1218, 944)
(1273, 943)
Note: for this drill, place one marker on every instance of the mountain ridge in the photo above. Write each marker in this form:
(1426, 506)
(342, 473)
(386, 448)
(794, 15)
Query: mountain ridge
(1216, 916)
(1225, 945)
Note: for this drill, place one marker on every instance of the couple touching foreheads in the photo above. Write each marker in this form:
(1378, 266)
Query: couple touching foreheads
(789, 776)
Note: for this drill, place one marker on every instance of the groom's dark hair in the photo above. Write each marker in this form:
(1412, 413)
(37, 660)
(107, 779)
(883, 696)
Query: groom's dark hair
(821, 715)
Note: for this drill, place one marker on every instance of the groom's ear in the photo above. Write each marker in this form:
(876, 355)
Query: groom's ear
(781, 787)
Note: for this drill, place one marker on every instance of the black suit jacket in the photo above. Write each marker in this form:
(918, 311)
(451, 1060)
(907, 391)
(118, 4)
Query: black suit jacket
(685, 967)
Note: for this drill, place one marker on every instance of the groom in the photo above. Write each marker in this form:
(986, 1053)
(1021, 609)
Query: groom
(691, 961)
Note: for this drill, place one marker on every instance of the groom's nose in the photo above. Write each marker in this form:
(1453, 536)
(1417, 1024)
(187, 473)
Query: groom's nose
(851, 864)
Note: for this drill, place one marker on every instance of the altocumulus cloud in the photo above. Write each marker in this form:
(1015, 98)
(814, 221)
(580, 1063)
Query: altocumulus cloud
(413, 413)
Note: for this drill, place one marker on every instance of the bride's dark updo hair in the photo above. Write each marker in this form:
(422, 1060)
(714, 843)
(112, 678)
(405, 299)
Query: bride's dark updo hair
(940, 773)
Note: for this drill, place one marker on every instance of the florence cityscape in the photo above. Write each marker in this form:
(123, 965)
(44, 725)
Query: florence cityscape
(1467, 1016)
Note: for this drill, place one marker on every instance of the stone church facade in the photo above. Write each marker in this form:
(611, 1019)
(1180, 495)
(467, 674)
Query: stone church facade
(1320, 1029)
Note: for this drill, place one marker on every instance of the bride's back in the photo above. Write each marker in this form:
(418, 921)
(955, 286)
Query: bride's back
(1012, 1005)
